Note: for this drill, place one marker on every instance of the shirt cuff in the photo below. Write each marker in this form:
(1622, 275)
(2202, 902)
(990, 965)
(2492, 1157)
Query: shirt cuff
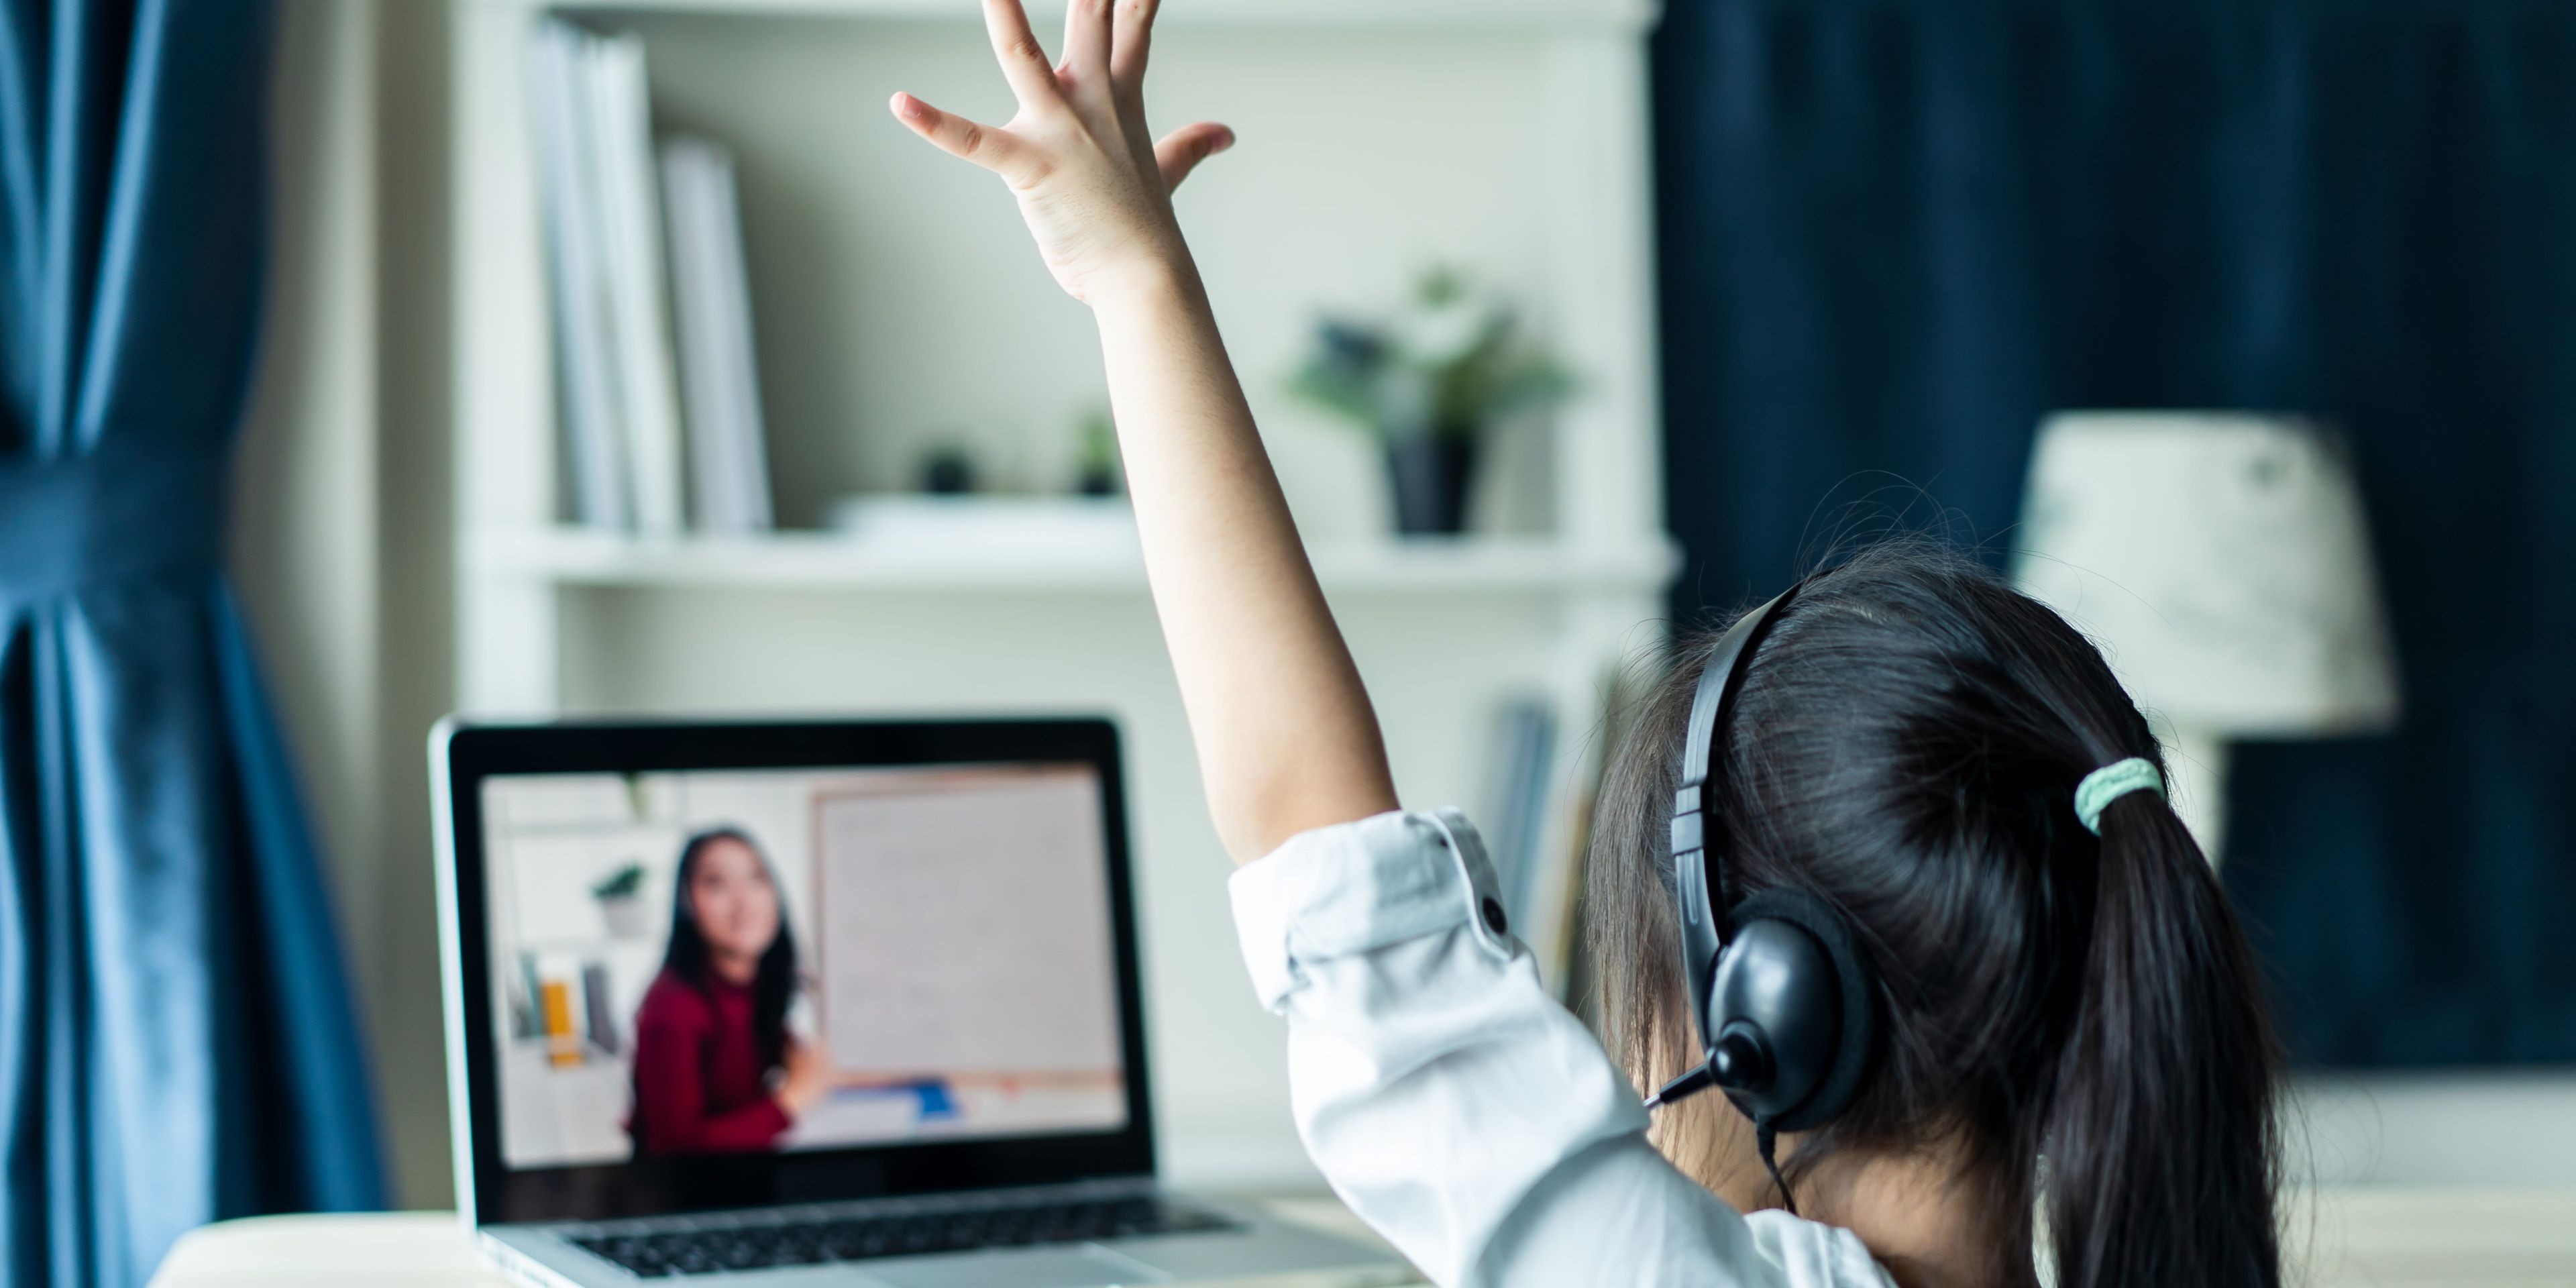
(1353, 887)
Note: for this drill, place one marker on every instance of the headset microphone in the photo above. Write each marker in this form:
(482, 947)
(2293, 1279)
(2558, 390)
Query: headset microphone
(1784, 1000)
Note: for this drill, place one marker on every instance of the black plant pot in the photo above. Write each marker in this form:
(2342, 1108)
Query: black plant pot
(1097, 480)
(1430, 473)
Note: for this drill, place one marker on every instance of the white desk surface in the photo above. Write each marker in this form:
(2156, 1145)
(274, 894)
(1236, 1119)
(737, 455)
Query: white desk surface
(2365, 1238)
(430, 1249)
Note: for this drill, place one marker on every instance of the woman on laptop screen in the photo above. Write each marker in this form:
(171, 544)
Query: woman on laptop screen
(711, 1034)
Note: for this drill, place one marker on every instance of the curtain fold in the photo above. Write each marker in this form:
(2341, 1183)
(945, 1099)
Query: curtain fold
(1895, 233)
(177, 1036)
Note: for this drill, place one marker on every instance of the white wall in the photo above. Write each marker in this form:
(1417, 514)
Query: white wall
(415, 603)
(341, 548)
(340, 538)
(305, 539)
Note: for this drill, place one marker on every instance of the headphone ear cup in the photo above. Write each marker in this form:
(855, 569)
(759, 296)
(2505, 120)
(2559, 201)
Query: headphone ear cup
(1855, 984)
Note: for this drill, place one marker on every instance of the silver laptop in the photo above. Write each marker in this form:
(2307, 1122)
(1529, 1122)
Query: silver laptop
(812, 1003)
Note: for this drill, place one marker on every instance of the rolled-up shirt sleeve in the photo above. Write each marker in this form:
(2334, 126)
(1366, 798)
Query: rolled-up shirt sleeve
(1454, 1105)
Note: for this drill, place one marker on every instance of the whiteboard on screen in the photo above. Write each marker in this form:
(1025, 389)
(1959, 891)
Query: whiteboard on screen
(965, 928)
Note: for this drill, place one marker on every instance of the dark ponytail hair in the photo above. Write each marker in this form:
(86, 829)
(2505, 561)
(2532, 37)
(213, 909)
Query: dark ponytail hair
(773, 984)
(1905, 744)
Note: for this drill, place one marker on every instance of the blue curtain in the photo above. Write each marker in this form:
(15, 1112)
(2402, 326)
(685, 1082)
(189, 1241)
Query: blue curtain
(1896, 232)
(177, 1041)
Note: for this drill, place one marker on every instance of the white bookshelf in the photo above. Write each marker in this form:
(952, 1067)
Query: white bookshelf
(898, 303)
(574, 556)
(1624, 16)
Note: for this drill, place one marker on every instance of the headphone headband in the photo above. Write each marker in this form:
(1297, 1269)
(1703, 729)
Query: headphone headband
(1780, 990)
(1706, 928)
(1709, 707)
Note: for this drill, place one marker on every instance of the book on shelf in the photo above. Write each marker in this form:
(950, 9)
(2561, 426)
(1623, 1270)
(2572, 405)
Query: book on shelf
(1518, 784)
(720, 382)
(639, 312)
(586, 394)
(631, 456)
(1539, 805)
(599, 1013)
(1622, 694)
(521, 988)
(563, 1034)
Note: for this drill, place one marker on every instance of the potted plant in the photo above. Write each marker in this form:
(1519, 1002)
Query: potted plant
(1430, 383)
(621, 902)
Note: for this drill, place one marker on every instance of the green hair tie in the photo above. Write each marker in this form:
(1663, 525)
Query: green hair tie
(2110, 783)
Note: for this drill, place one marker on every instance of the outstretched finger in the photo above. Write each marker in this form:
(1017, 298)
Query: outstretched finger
(1181, 150)
(1086, 43)
(993, 149)
(1131, 35)
(1023, 59)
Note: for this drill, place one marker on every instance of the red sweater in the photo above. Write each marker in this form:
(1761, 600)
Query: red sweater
(700, 1084)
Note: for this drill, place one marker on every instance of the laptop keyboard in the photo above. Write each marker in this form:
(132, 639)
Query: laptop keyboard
(912, 1232)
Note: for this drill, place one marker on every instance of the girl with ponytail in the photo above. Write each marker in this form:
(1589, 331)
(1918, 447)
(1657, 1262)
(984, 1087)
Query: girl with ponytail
(2069, 1031)
(2073, 1031)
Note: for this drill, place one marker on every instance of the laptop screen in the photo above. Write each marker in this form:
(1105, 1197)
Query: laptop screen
(748, 961)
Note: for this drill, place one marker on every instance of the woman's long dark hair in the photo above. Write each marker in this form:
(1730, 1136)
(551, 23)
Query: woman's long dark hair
(773, 985)
(1905, 744)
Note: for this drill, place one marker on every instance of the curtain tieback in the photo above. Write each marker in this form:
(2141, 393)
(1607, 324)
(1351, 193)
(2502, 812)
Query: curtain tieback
(109, 516)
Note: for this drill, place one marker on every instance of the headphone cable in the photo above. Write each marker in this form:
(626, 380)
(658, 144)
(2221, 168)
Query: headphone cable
(1765, 1140)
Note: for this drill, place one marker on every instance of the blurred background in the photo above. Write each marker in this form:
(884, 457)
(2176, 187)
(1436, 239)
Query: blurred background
(632, 359)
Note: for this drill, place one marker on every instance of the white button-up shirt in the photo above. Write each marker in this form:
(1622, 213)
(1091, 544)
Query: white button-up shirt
(1456, 1107)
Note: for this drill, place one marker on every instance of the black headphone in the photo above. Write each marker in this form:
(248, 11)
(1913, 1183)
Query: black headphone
(1785, 1001)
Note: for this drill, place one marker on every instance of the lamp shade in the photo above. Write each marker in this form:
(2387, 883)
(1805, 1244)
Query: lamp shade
(2222, 562)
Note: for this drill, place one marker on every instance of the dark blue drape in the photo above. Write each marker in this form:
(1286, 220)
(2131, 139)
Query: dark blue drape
(176, 1034)
(1896, 232)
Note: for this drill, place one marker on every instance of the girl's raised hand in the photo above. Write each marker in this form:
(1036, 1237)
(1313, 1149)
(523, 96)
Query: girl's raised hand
(1091, 182)
(1285, 735)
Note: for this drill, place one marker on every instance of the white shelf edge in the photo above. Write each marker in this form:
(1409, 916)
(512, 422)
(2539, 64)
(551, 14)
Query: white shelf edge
(1622, 16)
(566, 556)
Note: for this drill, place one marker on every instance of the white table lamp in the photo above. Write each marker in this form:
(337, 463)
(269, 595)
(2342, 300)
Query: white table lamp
(2221, 561)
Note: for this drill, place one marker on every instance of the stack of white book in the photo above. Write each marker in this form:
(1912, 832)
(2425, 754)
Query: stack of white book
(609, 199)
(1518, 785)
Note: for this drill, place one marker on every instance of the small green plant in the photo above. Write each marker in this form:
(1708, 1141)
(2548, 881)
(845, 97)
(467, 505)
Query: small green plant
(1095, 462)
(1451, 364)
(624, 883)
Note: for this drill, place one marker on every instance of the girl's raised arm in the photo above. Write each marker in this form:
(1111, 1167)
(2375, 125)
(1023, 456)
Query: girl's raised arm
(1286, 738)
